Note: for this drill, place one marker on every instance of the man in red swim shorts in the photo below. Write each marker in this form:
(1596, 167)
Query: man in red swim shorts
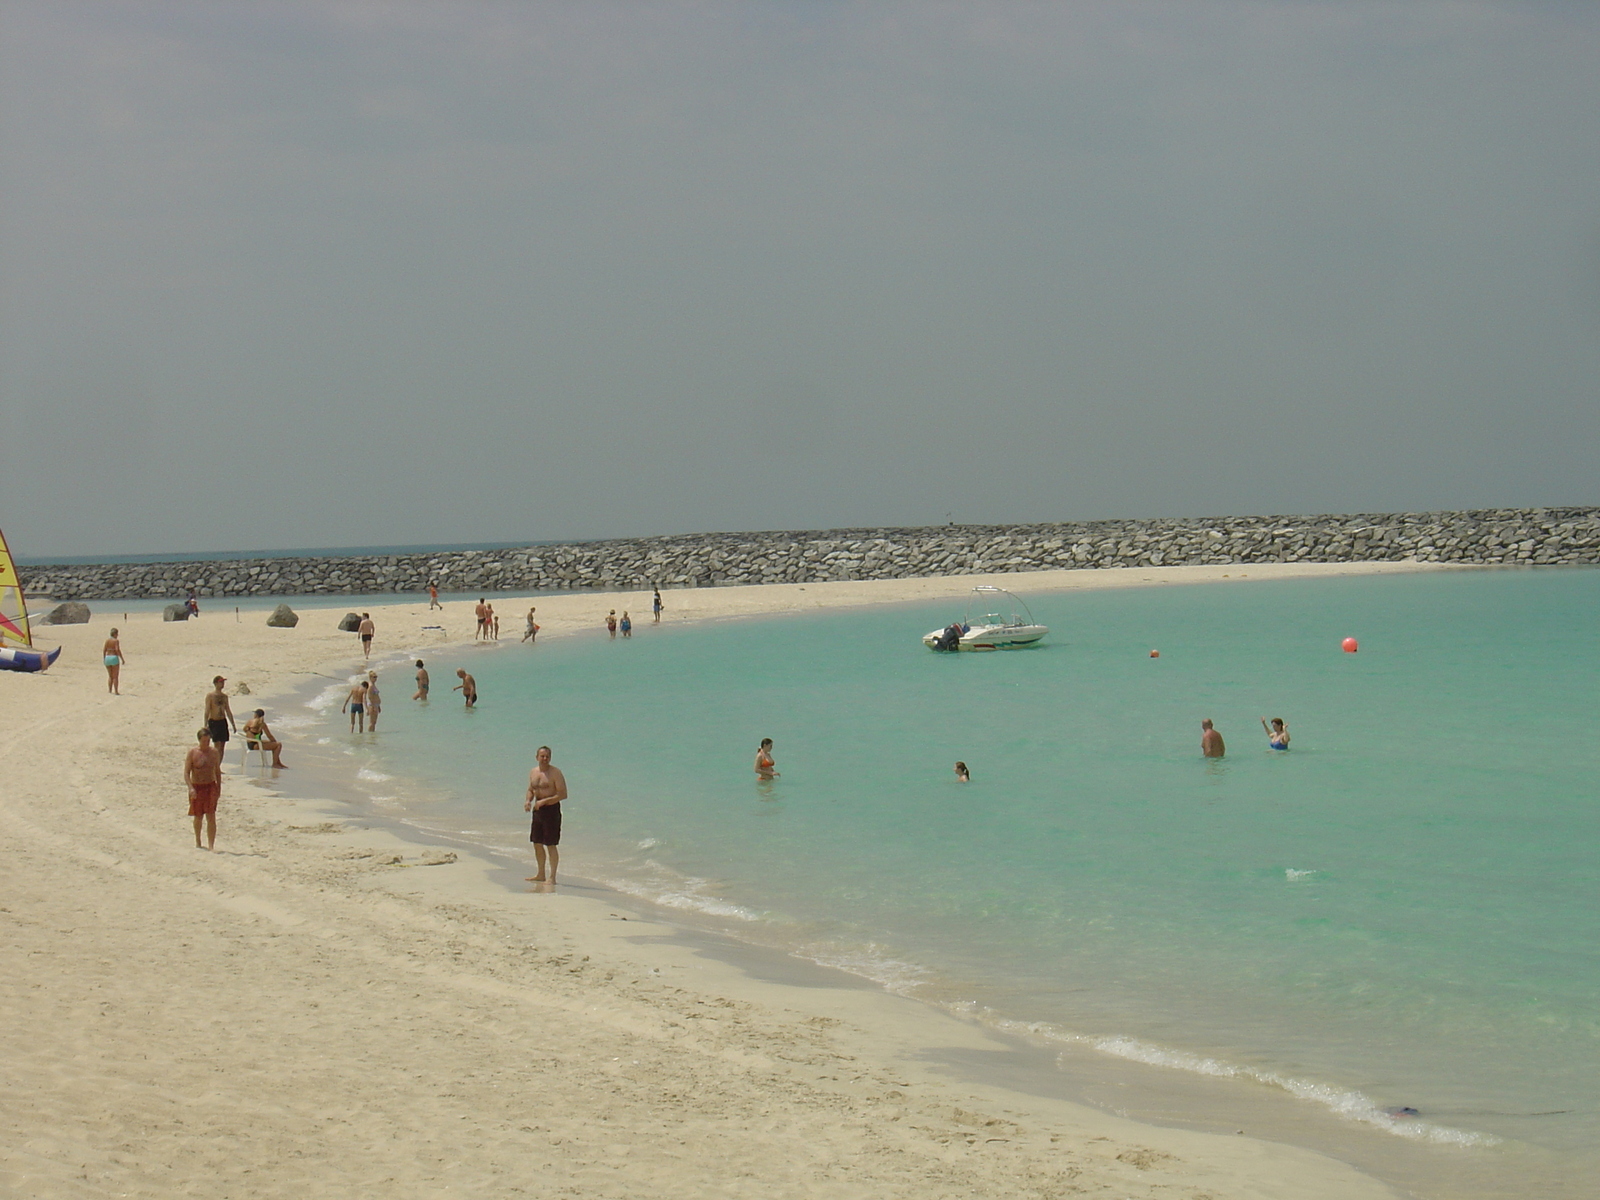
(202, 771)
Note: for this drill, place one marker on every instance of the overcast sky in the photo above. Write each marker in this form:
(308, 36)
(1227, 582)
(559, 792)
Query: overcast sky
(336, 274)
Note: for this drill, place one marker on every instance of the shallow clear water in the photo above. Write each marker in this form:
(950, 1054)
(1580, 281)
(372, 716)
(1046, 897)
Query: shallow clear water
(1401, 910)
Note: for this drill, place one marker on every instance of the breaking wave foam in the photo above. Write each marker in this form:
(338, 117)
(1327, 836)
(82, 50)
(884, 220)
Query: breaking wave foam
(1344, 1102)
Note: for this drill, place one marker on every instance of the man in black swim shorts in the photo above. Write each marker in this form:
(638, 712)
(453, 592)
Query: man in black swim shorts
(547, 788)
(219, 715)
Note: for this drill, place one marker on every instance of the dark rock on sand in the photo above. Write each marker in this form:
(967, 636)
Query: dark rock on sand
(283, 617)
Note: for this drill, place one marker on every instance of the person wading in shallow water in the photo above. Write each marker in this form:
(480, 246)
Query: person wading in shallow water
(547, 788)
(766, 767)
(1211, 741)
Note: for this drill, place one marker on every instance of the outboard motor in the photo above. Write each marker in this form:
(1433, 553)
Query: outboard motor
(950, 639)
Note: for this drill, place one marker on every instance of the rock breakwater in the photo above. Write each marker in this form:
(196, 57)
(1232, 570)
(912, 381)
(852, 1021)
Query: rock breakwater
(1527, 537)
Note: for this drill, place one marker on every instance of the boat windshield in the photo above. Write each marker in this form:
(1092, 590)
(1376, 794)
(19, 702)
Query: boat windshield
(987, 595)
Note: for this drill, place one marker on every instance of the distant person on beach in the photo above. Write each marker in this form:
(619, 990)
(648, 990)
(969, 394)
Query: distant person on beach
(202, 773)
(468, 687)
(433, 596)
(655, 605)
(366, 629)
(374, 702)
(258, 733)
(494, 621)
(1277, 733)
(483, 620)
(627, 624)
(532, 630)
(111, 653)
(1211, 741)
(192, 604)
(547, 788)
(611, 622)
(356, 705)
(962, 774)
(422, 682)
(766, 768)
(219, 714)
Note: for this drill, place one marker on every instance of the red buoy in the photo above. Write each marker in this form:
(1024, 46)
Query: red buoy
(1350, 645)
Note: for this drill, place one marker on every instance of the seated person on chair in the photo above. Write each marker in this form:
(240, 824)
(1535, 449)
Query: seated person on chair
(258, 736)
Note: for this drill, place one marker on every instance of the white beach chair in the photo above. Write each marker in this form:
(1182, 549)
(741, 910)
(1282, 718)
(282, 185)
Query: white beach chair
(263, 755)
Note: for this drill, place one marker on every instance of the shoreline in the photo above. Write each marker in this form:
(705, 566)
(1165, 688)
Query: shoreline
(280, 869)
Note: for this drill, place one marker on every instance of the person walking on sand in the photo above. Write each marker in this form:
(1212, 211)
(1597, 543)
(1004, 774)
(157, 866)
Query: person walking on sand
(655, 605)
(611, 622)
(1211, 741)
(627, 624)
(366, 629)
(219, 714)
(468, 687)
(111, 653)
(422, 682)
(433, 596)
(532, 630)
(1277, 734)
(374, 702)
(258, 733)
(547, 788)
(356, 705)
(202, 773)
(766, 767)
(483, 620)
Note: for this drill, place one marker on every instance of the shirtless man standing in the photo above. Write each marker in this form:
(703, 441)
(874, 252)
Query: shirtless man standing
(366, 629)
(468, 687)
(483, 620)
(202, 773)
(219, 716)
(547, 788)
(1211, 741)
(356, 704)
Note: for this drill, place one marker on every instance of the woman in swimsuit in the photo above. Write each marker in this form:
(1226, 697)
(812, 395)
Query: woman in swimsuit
(766, 767)
(112, 652)
(1277, 734)
(962, 774)
(374, 702)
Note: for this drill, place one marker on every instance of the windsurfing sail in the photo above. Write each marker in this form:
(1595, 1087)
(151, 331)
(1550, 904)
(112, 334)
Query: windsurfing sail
(13, 607)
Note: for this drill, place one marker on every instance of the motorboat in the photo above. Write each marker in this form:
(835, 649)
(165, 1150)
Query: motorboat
(988, 625)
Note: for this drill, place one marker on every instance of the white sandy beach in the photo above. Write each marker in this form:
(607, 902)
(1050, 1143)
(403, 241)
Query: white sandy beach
(315, 1010)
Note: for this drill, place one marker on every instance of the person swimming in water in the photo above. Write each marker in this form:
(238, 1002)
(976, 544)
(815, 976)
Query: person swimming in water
(1277, 733)
(962, 774)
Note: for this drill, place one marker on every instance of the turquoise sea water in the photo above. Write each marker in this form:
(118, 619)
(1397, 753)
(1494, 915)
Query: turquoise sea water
(1401, 910)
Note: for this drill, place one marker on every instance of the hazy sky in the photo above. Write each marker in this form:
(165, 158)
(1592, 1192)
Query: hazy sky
(361, 273)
